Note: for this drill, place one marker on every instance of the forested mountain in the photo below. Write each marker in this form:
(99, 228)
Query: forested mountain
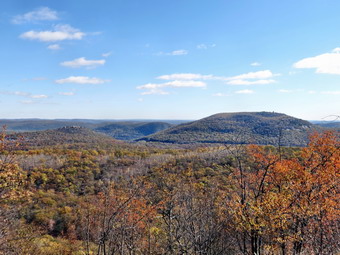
(239, 128)
(26, 125)
(132, 130)
(121, 130)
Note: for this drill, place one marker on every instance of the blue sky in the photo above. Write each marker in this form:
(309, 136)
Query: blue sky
(162, 59)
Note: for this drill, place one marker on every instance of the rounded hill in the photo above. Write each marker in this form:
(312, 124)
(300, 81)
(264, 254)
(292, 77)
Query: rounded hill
(267, 128)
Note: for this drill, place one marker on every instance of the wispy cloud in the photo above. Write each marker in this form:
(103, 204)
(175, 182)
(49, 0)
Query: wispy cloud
(28, 102)
(285, 91)
(331, 92)
(173, 53)
(244, 91)
(81, 80)
(247, 82)
(186, 76)
(107, 54)
(254, 75)
(174, 84)
(59, 33)
(38, 96)
(220, 94)
(40, 14)
(252, 78)
(327, 63)
(24, 94)
(66, 93)
(82, 62)
(54, 47)
(35, 79)
(179, 52)
(199, 80)
(255, 64)
(157, 88)
(204, 46)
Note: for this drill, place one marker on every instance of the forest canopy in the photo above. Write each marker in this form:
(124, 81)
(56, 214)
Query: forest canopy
(118, 198)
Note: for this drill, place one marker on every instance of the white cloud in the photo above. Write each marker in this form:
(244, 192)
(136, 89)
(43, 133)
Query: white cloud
(198, 80)
(245, 91)
(247, 82)
(54, 47)
(67, 93)
(179, 52)
(154, 88)
(255, 64)
(192, 84)
(204, 46)
(311, 92)
(23, 94)
(331, 92)
(40, 14)
(327, 63)
(107, 54)
(60, 33)
(38, 96)
(81, 80)
(252, 78)
(173, 53)
(266, 74)
(19, 93)
(82, 62)
(174, 84)
(185, 76)
(220, 95)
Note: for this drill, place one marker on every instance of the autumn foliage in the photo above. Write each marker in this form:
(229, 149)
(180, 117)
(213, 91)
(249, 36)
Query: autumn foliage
(288, 205)
(148, 200)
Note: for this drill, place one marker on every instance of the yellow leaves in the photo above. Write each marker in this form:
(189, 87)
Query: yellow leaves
(48, 245)
(156, 231)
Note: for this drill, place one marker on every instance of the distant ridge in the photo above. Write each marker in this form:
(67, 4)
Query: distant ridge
(122, 130)
(131, 131)
(62, 136)
(267, 128)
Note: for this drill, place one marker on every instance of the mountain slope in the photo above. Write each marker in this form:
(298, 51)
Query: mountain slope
(132, 130)
(239, 128)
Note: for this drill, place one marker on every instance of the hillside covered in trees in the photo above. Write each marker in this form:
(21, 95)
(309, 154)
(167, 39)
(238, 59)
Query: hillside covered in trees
(121, 130)
(240, 128)
(73, 191)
